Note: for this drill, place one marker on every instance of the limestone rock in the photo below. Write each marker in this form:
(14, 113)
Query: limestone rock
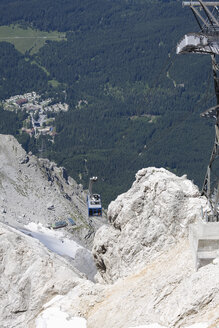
(152, 282)
(30, 276)
(145, 221)
(167, 292)
(37, 190)
(143, 253)
(84, 263)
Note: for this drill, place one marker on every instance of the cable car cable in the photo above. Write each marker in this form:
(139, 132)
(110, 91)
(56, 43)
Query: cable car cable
(170, 130)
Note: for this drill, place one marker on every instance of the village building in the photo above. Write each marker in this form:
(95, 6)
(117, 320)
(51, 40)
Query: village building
(21, 101)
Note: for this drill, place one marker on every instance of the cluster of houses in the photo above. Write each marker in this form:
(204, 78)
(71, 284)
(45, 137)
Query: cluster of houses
(36, 132)
(37, 109)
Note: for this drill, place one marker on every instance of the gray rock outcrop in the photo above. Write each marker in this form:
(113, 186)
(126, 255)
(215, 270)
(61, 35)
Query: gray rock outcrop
(167, 292)
(30, 276)
(153, 282)
(36, 190)
(145, 264)
(145, 221)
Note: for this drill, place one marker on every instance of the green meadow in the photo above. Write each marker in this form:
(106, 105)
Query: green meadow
(28, 39)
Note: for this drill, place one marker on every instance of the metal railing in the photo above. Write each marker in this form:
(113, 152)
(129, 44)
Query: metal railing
(197, 3)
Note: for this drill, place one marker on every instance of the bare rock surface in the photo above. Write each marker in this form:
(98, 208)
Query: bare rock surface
(146, 273)
(166, 293)
(30, 276)
(36, 190)
(152, 283)
(148, 219)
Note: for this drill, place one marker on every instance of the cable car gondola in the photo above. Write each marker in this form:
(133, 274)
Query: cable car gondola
(93, 201)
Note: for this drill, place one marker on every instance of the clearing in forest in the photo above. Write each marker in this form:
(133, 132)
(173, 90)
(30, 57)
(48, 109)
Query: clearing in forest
(28, 39)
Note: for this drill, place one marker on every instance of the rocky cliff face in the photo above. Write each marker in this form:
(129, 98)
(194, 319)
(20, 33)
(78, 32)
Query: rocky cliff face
(35, 193)
(166, 293)
(36, 190)
(30, 276)
(143, 257)
(148, 219)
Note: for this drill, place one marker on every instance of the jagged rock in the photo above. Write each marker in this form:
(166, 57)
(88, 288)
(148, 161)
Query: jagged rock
(50, 206)
(84, 263)
(146, 220)
(30, 276)
(29, 188)
(167, 292)
(65, 175)
(145, 241)
(24, 160)
(216, 261)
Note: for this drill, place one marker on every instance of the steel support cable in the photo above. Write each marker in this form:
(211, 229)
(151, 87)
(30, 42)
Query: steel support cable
(208, 89)
(189, 113)
(194, 13)
(165, 133)
(170, 130)
(168, 63)
(215, 175)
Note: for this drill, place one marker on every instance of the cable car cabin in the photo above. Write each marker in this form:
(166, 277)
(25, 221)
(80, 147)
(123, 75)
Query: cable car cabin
(94, 205)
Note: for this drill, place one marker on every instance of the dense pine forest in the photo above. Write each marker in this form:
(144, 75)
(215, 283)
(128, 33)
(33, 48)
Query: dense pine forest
(133, 102)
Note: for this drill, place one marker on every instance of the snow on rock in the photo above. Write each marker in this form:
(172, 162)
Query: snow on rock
(30, 276)
(54, 318)
(54, 240)
(78, 303)
(146, 220)
(59, 242)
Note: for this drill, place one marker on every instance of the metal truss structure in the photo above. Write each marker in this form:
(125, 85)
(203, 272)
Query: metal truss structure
(207, 42)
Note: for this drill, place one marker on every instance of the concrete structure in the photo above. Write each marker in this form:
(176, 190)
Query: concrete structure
(204, 242)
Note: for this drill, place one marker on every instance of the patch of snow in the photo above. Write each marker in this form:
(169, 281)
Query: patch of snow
(59, 242)
(30, 275)
(53, 240)
(55, 318)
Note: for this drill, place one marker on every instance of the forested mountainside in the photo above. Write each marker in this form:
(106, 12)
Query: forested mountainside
(133, 102)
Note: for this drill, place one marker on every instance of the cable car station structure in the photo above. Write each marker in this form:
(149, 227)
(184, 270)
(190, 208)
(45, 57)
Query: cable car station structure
(204, 236)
